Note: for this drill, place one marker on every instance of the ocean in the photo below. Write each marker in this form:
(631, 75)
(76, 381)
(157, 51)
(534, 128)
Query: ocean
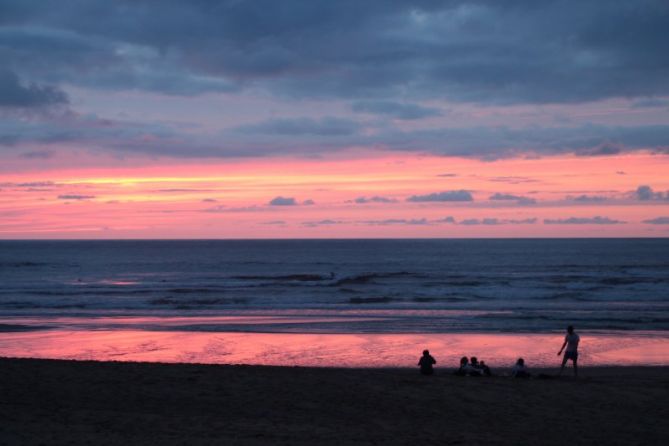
(334, 287)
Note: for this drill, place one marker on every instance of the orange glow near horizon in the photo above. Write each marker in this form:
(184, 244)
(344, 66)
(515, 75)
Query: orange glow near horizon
(230, 199)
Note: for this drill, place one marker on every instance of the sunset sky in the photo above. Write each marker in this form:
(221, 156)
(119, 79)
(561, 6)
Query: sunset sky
(291, 119)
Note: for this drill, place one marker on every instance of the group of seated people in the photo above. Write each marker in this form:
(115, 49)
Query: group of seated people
(472, 367)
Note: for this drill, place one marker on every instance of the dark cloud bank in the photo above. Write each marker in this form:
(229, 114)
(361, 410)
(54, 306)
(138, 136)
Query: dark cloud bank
(484, 52)
(567, 51)
(15, 94)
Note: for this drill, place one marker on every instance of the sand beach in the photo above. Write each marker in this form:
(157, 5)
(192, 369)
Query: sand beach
(58, 402)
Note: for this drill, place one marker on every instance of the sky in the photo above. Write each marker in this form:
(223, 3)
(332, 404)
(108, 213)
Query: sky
(322, 119)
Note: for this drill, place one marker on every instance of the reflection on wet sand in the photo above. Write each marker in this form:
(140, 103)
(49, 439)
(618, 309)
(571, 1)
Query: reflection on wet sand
(331, 350)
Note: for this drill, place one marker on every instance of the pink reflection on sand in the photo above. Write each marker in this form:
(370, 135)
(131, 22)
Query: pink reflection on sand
(331, 350)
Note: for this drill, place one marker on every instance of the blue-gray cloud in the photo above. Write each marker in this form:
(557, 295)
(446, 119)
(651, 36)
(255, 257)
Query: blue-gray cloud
(307, 136)
(603, 149)
(511, 197)
(651, 103)
(328, 126)
(396, 110)
(657, 221)
(587, 198)
(13, 93)
(225, 209)
(373, 199)
(513, 180)
(450, 195)
(30, 184)
(59, 53)
(597, 220)
(283, 201)
(325, 222)
(568, 51)
(37, 154)
(91, 130)
(390, 58)
(449, 221)
(646, 193)
(496, 221)
(75, 197)
(496, 142)
(397, 221)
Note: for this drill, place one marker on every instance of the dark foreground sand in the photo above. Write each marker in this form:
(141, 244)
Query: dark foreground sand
(65, 402)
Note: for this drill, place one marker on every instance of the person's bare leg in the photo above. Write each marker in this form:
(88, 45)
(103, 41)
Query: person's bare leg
(564, 361)
(575, 368)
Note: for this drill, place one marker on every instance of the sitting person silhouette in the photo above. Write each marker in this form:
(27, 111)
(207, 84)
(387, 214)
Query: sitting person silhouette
(475, 367)
(464, 365)
(485, 369)
(520, 370)
(425, 362)
(468, 368)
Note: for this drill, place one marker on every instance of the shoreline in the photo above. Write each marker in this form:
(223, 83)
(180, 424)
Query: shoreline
(439, 370)
(83, 402)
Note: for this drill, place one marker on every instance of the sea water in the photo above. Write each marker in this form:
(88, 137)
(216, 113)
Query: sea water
(363, 289)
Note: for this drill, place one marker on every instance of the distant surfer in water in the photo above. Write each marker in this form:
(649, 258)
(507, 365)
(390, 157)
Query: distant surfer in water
(571, 341)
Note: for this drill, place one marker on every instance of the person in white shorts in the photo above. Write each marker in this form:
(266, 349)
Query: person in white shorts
(571, 341)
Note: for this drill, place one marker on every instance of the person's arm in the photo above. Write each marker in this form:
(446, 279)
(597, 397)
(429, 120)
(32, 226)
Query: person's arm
(434, 361)
(563, 346)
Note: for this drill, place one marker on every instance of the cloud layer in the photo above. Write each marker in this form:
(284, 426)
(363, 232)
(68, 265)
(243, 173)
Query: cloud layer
(598, 220)
(15, 94)
(314, 77)
(450, 195)
(552, 51)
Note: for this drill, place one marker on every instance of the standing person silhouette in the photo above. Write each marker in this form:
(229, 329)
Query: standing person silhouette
(571, 341)
(425, 362)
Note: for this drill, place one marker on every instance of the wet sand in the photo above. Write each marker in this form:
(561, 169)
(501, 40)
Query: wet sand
(329, 349)
(70, 402)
